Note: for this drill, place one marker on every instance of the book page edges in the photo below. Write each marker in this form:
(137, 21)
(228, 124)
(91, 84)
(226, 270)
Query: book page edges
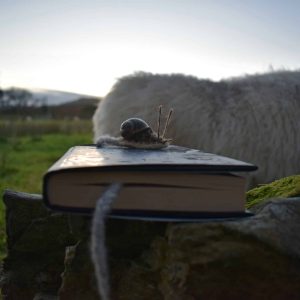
(168, 192)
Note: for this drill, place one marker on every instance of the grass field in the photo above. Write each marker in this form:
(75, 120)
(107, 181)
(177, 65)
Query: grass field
(25, 157)
(9, 128)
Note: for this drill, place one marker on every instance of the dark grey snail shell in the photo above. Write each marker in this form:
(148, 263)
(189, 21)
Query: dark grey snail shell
(135, 129)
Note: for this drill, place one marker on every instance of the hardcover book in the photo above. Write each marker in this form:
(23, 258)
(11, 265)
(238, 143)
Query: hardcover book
(173, 180)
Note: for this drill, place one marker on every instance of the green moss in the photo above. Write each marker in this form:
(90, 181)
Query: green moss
(282, 188)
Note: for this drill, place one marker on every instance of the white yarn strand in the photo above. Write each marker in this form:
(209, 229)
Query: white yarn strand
(98, 241)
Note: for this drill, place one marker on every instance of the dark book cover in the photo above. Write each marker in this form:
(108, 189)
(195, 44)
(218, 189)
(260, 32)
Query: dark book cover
(171, 158)
(86, 161)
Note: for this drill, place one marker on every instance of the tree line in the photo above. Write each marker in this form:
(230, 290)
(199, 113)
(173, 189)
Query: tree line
(18, 98)
(18, 103)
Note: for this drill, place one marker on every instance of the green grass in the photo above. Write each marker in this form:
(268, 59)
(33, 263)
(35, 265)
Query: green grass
(24, 160)
(9, 128)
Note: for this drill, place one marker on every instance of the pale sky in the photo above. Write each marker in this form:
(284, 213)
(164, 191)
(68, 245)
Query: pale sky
(85, 46)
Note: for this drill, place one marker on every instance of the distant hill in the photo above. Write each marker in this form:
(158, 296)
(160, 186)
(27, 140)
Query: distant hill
(81, 102)
(53, 97)
(18, 102)
(83, 108)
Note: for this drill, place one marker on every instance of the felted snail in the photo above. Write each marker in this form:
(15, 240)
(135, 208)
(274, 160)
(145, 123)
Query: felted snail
(136, 133)
(137, 130)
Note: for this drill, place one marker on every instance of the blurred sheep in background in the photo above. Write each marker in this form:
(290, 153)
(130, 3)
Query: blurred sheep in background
(253, 118)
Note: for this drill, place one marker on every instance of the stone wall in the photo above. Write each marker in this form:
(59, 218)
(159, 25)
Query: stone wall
(251, 258)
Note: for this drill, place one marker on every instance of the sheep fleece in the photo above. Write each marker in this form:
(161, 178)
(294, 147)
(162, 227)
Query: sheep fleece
(253, 118)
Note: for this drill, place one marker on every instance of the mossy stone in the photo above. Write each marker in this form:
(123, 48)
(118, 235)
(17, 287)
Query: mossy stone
(282, 188)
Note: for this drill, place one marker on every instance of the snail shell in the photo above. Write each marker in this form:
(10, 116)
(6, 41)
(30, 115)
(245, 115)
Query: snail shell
(137, 130)
(136, 133)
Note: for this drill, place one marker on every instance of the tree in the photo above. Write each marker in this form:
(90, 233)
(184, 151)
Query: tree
(19, 98)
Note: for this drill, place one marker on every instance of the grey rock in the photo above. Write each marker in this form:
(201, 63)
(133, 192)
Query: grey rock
(248, 258)
(36, 241)
(276, 223)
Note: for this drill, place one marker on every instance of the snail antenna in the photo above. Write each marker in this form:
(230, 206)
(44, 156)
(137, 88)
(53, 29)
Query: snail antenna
(167, 122)
(158, 121)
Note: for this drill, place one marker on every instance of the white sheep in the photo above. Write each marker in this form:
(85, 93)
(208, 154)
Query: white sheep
(254, 118)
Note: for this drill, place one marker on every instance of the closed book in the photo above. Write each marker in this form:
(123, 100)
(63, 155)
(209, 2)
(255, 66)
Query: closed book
(173, 180)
